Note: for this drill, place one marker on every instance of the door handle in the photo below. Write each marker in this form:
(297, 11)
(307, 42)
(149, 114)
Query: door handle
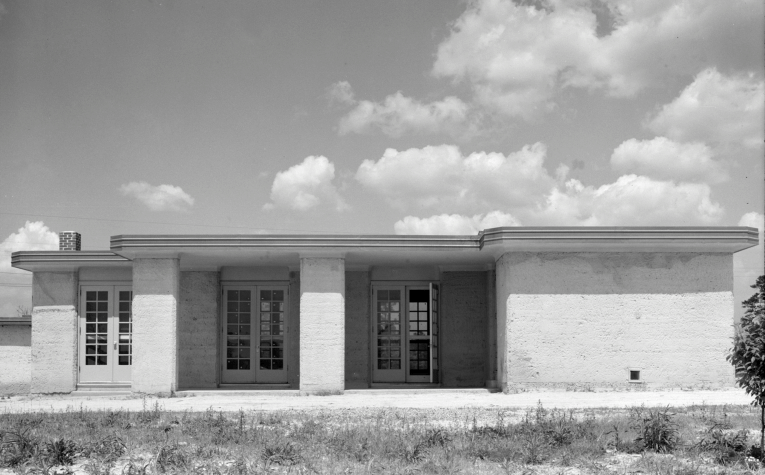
(115, 345)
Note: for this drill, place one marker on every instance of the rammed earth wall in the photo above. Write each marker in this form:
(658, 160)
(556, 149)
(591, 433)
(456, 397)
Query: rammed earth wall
(463, 329)
(584, 320)
(198, 329)
(15, 358)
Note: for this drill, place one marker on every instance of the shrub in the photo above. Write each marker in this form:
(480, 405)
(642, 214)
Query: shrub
(658, 432)
(748, 352)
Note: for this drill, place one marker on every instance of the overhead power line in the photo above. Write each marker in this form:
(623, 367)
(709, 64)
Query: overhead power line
(165, 222)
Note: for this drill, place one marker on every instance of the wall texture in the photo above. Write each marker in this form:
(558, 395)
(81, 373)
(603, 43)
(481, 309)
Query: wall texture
(198, 329)
(155, 325)
(54, 332)
(15, 358)
(463, 329)
(583, 320)
(322, 324)
(357, 329)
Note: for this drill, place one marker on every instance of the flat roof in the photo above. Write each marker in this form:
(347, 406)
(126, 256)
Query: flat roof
(216, 250)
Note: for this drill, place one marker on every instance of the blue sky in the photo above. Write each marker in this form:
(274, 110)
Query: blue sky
(416, 116)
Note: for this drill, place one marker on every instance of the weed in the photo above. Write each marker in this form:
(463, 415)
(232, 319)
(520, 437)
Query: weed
(17, 448)
(727, 447)
(171, 457)
(658, 432)
(109, 448)
(280, 453)
(61, 451)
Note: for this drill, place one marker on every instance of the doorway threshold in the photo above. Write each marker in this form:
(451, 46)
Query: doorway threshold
(262, 389)
(405, 386)
(259, 386)
(94, 389)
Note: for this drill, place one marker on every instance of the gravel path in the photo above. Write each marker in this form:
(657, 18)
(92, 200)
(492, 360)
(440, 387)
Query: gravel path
(423, 399)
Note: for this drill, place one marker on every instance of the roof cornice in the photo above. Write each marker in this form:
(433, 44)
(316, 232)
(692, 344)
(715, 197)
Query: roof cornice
(494, 242)
(620, 239)
(65, 260)
(291, 242)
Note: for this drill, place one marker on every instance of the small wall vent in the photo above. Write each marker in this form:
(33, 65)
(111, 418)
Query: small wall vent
(634, 375)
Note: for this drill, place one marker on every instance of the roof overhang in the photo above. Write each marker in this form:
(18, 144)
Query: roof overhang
(619, 239)
(66, 260)
(215, 251)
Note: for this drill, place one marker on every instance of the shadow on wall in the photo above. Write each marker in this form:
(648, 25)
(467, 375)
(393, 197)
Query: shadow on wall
(15, 357)
(619, 273)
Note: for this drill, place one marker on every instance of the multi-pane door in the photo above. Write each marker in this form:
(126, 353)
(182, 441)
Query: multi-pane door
(405, 334)
(105, 330)
(254, 324)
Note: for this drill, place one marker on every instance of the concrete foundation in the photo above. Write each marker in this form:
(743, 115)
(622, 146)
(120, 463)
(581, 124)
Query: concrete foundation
(54, 332)
(156, 290)
(582, 321)
(322, 325)
(198, 329)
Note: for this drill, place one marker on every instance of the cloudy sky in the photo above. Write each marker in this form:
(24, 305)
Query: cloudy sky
(400, 116)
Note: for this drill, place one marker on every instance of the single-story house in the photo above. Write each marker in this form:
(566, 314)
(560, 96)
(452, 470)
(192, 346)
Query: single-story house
(517, 308)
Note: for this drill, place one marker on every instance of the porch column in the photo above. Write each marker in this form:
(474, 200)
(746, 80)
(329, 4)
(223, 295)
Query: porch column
(503, 312)
(322, 324)
(54, 332)
(155, 325)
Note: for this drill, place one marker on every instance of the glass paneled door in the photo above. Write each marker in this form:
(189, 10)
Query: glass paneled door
(405, 334)
(105, 331)
(254, 327)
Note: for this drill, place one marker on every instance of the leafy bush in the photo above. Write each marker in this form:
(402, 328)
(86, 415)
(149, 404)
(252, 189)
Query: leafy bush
(748, 352)
(726, 447)
(658, 432)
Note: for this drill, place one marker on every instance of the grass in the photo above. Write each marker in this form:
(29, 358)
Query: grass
(701, 439)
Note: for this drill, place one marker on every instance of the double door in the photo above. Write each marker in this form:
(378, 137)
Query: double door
(105, 333)
(405, 333)
(254, 329)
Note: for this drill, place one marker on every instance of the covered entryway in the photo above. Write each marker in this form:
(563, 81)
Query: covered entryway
(105, 328)
(254, 322)
(405, 333)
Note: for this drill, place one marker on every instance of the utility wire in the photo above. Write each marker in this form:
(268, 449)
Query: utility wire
(164, 222)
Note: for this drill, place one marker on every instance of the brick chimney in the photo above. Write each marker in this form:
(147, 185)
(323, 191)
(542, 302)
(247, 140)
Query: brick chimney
(69, 241)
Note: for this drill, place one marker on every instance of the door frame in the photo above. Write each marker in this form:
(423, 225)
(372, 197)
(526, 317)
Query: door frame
(255, 286)
(114, 287)
(435, 340)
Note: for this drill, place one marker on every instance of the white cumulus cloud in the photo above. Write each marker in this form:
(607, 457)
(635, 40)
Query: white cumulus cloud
(454, 223)
(399, 114)
(160, 197)
(515, 57)
(715, 108)
(666, 159)
(306, 185)
(441, 176)
(631, 200)
(33, 236)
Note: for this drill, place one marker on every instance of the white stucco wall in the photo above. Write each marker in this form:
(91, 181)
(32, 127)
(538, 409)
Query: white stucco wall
(322, 324)
(15, 358)
(198, 330)
(155, 325)
(54, 332)
(582, 321)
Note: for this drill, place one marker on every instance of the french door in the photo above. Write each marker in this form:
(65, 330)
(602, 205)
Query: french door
(254, 323)
(105, 328)
(405, 333)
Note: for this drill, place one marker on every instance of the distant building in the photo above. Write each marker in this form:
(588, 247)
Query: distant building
(515, 308)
